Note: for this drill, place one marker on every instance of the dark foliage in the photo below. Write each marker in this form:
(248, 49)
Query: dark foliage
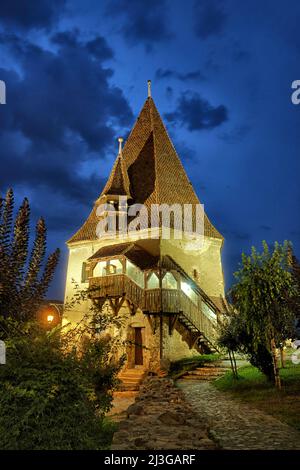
(24, 275)
(262, 313)
(53, 394)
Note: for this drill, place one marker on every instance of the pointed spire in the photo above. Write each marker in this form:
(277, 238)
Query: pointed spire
(149, 171)
(120, 140)
(118, 182)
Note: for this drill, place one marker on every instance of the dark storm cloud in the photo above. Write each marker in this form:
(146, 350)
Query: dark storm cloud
(63, 92)
(146, 23)
(33, 14)
(37, 166)
(197, 113)
(168, 73)
(60, 111)
(210, 18)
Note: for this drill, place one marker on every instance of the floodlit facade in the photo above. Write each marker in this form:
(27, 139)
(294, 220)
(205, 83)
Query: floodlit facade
(170, 290)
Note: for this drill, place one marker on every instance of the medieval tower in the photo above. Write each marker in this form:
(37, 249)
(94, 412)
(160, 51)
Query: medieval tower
(170, 291)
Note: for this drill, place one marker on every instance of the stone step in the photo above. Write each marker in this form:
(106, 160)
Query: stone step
(130, 376)
(128, 387)
(213, 365)
(198, 377)
(207, 371)
(132, 371)
(130, 380)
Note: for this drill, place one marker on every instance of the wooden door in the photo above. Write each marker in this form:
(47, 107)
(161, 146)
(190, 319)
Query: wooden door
(138, 353)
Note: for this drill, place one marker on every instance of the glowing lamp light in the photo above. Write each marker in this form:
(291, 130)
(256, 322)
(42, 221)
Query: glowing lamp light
(48, 316)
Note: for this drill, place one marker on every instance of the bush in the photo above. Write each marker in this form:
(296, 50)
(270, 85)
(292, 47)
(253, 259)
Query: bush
(52, 397)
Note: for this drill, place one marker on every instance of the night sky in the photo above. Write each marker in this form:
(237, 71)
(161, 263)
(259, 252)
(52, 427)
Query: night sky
(76, 76)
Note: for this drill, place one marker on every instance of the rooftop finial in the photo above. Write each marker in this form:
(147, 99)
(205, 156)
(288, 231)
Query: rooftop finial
(149, 88)
(120, 139)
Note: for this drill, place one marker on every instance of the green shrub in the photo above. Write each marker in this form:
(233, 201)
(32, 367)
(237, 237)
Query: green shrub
(52, 397)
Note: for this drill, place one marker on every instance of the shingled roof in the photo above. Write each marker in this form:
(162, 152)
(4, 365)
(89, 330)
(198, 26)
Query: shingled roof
(154, 171)
(138, 255)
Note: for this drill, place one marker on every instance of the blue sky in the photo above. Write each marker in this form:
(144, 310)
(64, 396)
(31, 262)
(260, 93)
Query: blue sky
(221, 72)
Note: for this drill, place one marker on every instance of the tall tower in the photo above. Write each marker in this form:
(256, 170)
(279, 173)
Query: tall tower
(170, 290)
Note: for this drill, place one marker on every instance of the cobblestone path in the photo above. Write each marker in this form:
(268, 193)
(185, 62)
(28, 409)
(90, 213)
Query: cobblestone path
(236, 425)
(160, 418)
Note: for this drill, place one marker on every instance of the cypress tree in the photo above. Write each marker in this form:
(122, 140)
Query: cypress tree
(24, 276)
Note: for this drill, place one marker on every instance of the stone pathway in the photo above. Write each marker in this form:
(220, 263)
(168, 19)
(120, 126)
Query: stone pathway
(235, 425)
(160, 419)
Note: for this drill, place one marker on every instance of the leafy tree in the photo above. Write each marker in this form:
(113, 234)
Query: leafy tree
(24, 274)
(236, 336)
(262, 297)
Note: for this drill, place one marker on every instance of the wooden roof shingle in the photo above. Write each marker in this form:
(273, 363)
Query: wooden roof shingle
(152, 173)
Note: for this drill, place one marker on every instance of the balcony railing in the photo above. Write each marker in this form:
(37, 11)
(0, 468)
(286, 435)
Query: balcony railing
(154, 301)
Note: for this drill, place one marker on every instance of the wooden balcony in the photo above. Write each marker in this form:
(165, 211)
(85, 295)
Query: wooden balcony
(156, 301)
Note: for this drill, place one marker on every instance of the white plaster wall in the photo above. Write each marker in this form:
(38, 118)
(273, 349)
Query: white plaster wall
(205, 257)
(77, 255)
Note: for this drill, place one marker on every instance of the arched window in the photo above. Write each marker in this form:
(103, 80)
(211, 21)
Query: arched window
(153, 282)
(169, 281)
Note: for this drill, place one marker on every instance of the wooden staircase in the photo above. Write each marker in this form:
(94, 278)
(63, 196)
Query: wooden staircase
(131, 379)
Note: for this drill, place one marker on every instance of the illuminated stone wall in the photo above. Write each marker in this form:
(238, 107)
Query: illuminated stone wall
(174, 346)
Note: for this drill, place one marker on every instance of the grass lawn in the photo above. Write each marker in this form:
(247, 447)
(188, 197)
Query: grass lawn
(253, 388)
